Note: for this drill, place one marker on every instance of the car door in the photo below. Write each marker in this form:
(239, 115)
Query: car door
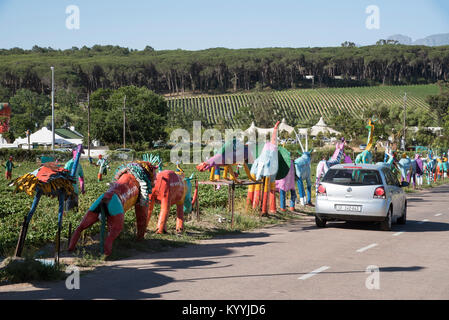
(397, 190)
(401, 196)
(392, 191)
(389, 190)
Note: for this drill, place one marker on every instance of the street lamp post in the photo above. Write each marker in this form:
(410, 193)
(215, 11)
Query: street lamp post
(53, 107)
(124, 122)
(88, 125)
(405, 117)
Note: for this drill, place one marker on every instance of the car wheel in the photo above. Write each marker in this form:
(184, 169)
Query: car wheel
(320, 222)
(403, 218)
(386, 224)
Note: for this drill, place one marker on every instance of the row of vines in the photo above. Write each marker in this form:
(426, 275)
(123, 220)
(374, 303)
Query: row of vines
(306, 104)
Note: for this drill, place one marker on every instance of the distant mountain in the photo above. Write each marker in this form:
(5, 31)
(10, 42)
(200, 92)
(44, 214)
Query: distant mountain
(431, 41)
(401, 39)
(434, 40)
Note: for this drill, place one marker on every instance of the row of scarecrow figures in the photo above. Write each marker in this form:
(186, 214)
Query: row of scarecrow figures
(138, 185)
(141, 184)
(432, 167)
(273, 168)
(135, 184)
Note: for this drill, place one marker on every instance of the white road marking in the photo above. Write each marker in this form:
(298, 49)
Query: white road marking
(367, 247)
(313, 273)
(398, 233)
(438, 214)
(425, 220)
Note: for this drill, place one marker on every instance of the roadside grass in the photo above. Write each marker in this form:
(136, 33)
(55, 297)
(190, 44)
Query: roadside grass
(29, 269)
(215, 220)
(425, 186)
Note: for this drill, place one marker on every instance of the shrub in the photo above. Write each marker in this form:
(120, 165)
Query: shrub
(32, 155)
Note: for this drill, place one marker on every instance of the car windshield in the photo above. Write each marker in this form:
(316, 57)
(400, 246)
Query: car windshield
(353, 176)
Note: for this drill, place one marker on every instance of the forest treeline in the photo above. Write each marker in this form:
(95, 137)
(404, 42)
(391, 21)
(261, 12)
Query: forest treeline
(219, 69)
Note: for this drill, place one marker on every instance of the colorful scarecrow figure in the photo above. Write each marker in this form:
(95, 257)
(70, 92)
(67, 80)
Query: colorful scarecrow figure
(9, 166)
(137, 185)
(78, 175)
(104, 166)
(419, 169)
(50, 180)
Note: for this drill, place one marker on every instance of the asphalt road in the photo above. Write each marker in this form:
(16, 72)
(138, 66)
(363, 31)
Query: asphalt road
(292, 261)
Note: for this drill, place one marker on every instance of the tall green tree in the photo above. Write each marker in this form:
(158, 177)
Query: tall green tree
(5, 94)
(351, 127)
(29, 110)
(440, 102)
(146, 115)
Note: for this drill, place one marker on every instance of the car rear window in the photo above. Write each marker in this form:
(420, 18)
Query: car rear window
(353, 176)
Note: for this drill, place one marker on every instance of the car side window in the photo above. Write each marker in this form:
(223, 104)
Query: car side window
(385, 172)
(389, 177)
(395, 179)
(392, 180)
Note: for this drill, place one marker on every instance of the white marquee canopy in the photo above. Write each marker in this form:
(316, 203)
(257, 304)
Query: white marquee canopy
(322, 127)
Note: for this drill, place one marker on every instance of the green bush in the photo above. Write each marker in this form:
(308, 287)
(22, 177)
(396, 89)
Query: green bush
(32, 155)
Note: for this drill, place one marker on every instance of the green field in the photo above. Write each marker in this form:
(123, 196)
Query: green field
(306, 104)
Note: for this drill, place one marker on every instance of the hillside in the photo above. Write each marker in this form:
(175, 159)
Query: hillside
(305, 104)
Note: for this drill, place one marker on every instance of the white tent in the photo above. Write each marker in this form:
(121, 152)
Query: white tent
(42, 137)
(5, 144)
(321, 126)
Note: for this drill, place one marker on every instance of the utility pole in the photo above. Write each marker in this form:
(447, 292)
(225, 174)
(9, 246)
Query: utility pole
(53, 107)
(88, 125)
(28, 136)
(124, 122)
(405, 116)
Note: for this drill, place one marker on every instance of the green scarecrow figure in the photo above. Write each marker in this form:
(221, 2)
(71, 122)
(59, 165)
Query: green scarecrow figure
(104, 165)
(9, 165)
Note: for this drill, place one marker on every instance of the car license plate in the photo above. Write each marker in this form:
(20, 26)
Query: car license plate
(344, 207)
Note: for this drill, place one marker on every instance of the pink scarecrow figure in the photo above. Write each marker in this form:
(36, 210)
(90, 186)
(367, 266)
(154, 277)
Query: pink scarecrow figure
(285, 185)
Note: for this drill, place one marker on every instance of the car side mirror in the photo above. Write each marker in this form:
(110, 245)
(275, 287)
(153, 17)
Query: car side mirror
(404, 184)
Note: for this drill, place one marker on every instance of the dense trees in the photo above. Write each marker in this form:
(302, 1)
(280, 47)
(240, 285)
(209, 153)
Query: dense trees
(29, 111)
(388, 124)
(220, 69)
(440, 102)
(146, 115)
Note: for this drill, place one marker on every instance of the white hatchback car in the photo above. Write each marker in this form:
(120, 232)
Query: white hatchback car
(365, 192)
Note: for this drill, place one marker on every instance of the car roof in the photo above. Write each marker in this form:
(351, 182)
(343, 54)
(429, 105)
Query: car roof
(357, 166)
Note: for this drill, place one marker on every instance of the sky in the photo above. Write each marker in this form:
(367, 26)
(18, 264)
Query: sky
(201, 24)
